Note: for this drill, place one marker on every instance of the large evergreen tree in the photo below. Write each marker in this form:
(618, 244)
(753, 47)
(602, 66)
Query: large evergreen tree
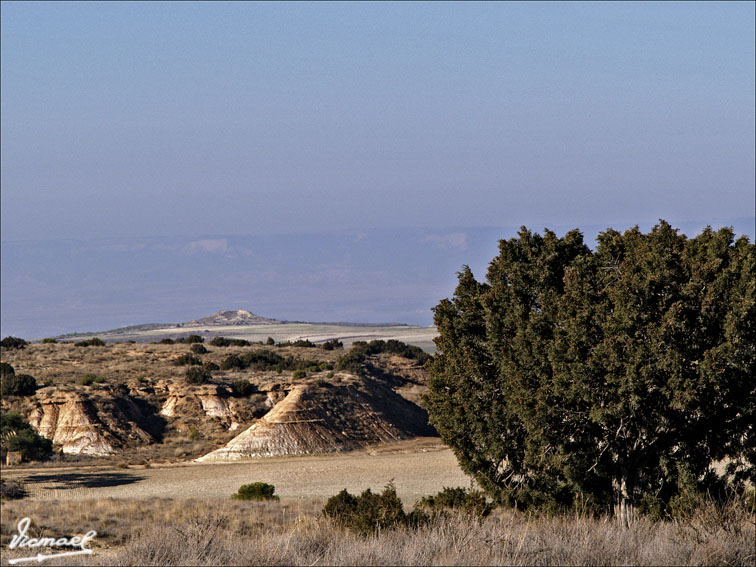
(609, 376)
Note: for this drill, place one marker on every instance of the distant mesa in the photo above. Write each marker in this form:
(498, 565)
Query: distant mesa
(231, 317)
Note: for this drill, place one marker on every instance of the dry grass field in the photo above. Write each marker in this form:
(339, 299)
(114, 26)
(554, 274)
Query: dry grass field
(226, 532)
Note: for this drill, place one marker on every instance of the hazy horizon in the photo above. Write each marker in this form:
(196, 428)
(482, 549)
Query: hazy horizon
(247, 138)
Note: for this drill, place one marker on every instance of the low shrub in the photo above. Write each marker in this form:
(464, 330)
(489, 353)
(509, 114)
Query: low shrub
(90, 379)
(256, 491)
(17, 435)
(370, 512)
(166, 342)
(243, 388)
(13, 342)
(333, 344)
(12, 384)
(302, 343)
(187, 359)
(11, 490)
(299, 374)
(49, 340)
(224, 342)
(6, 369)
(471, 502)
(198, 348)
(191, 339)
(94, 341)
(198, 375)
(270, 341)
(210, 366)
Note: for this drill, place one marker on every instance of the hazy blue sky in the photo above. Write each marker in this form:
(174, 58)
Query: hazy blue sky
(143, 119)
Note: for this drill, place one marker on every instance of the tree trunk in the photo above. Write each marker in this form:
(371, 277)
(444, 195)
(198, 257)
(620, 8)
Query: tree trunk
(624, 510)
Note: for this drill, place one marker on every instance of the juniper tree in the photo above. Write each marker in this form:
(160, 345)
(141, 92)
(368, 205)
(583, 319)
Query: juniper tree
(609, 376)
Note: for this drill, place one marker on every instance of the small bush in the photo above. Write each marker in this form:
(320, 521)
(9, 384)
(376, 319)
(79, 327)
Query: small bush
(49, 340)
(11, 490)
(187, 359)
(6, 370)
(13, 342)
(198, 375)
(192, 339)
(90, 379)
(256, 491)
(194, 433)
(210, 366)
(94, 341)
(198, 348)
(333, 344)
(17, 435)
(472, 502)
(224, 342)
(13, 384)
(299, 374)
(270, 341)
(243, 388)
(371, 512)
(166, 342)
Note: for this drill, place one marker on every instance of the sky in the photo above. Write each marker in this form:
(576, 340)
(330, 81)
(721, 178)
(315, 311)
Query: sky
(210, 120)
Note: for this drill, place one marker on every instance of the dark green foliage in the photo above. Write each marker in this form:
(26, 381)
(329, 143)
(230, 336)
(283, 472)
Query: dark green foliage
(166, 341)
(299, 374)
(333, 344)
(210, 366)
(17, 435)
(471, 502)
(187, 359)
(198, 375)
(191, 339)
(224, 342)
(351, 361)
(94, 341)
(304, 343)
(13, 384)
(90, 379)
(49, 340)
(13, 342)
(266, 360)
(198, 348)
(11, 490)
(243, 388)
(6, 369)
(270, 341)
(256, 491)
(370, 512)
(599, 378)
(354, 359)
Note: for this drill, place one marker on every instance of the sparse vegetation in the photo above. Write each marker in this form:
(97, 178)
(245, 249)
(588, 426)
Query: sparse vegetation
(256, 491)
(224, 342)
(191, 339)
(17, 435)
(187, 359)
(94, 341)
(243, 388)
(12, 384)
(11, 490)
(198, 375)
(298, 374)
(198, 348)
(472, 502)
(89, 379)
(332, 344)
(13, 343)
(49, 341)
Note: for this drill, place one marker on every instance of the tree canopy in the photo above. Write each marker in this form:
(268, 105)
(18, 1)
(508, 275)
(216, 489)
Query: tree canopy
(608, 378)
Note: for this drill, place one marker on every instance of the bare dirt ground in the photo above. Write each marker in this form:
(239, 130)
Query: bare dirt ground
(417, 467)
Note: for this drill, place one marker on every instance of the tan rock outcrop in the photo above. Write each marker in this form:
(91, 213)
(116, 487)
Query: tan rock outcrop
(326, 418)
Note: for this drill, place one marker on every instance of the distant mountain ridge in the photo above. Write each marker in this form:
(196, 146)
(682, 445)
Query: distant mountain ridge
(231, 317)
